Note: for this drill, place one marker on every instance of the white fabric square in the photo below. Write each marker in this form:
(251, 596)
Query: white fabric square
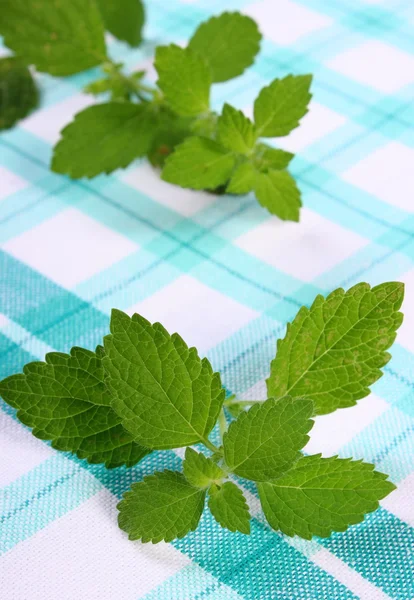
(146, 179)
(20, 451)
(202, 316)
(406, 331)
(304, 250)
(387, 173)
(317, 123)
(10, 183)
(284, 22)
(400, 502)
(70, 247)
(331, 432)
(49, 121)
(85, 555)
(376, 64)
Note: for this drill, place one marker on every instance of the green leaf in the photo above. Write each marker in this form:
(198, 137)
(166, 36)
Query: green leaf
(170, 131)
(333, 351)
(205, 125)
(166, 395)
(265, 441)
(280, 106)
(164, 506)
(228, 506)
(65, 400)
(242, 179)
(185, 79)
(235, 131)
(322, 495)
(201, 471)
(267, 158)
(59, 37)
(198, 163)
(18, 91)
(277, 191)
(103, 138)
(124, 19)
(228, 42)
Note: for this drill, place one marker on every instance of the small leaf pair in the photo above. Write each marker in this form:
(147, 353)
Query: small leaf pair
(145, 390)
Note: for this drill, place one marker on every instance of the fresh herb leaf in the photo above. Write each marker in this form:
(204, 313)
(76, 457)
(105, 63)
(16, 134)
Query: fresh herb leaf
(278, 192)
(267, 158)
(228, 42)
(185, 79)
(65, 400)
(201, 471)
(235, 131)
(103, 138)
(124, 19)
(228, 506)
(335, 350)
(280, 105)
(166, 395)
(170, 131)
(265, 441)
(18, 91)
(163, 506)
(199, 163)
(322, 495)
(242, 179)
(205, 125)
(59, 37)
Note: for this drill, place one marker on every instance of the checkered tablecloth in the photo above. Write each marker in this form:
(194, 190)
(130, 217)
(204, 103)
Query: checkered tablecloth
(227, 276)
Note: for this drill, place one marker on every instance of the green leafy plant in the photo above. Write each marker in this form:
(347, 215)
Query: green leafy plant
(59, 38)
(146, 390)
(171, 123)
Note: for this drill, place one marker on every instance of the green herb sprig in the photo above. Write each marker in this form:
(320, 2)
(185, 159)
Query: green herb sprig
(172, 123)
(145, 390)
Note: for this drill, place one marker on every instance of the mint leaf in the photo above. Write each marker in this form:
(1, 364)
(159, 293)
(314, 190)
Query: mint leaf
(242, 179)
(103, 138)
(205, 126)
(170, 131)
(198, 163)
(277, 191)
(163, 506)
(228, 506)
(201, 471)
(265, 441)
(185, 79)
(322, 495)
(228, 42)
(18, 91)
(235, 131)
(333, 351)
(59, 37)
(65, 400)
(280, 106)
(124, 19)
(267, 158)
(166, 395)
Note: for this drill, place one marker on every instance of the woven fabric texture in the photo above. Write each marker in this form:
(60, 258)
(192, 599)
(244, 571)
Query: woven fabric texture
(227, 277)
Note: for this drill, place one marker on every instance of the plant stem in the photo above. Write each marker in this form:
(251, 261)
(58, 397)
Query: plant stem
(222, 424)
(233, 400)
(211, 446)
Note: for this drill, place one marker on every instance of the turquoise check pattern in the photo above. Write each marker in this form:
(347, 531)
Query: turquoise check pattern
(227, 277)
